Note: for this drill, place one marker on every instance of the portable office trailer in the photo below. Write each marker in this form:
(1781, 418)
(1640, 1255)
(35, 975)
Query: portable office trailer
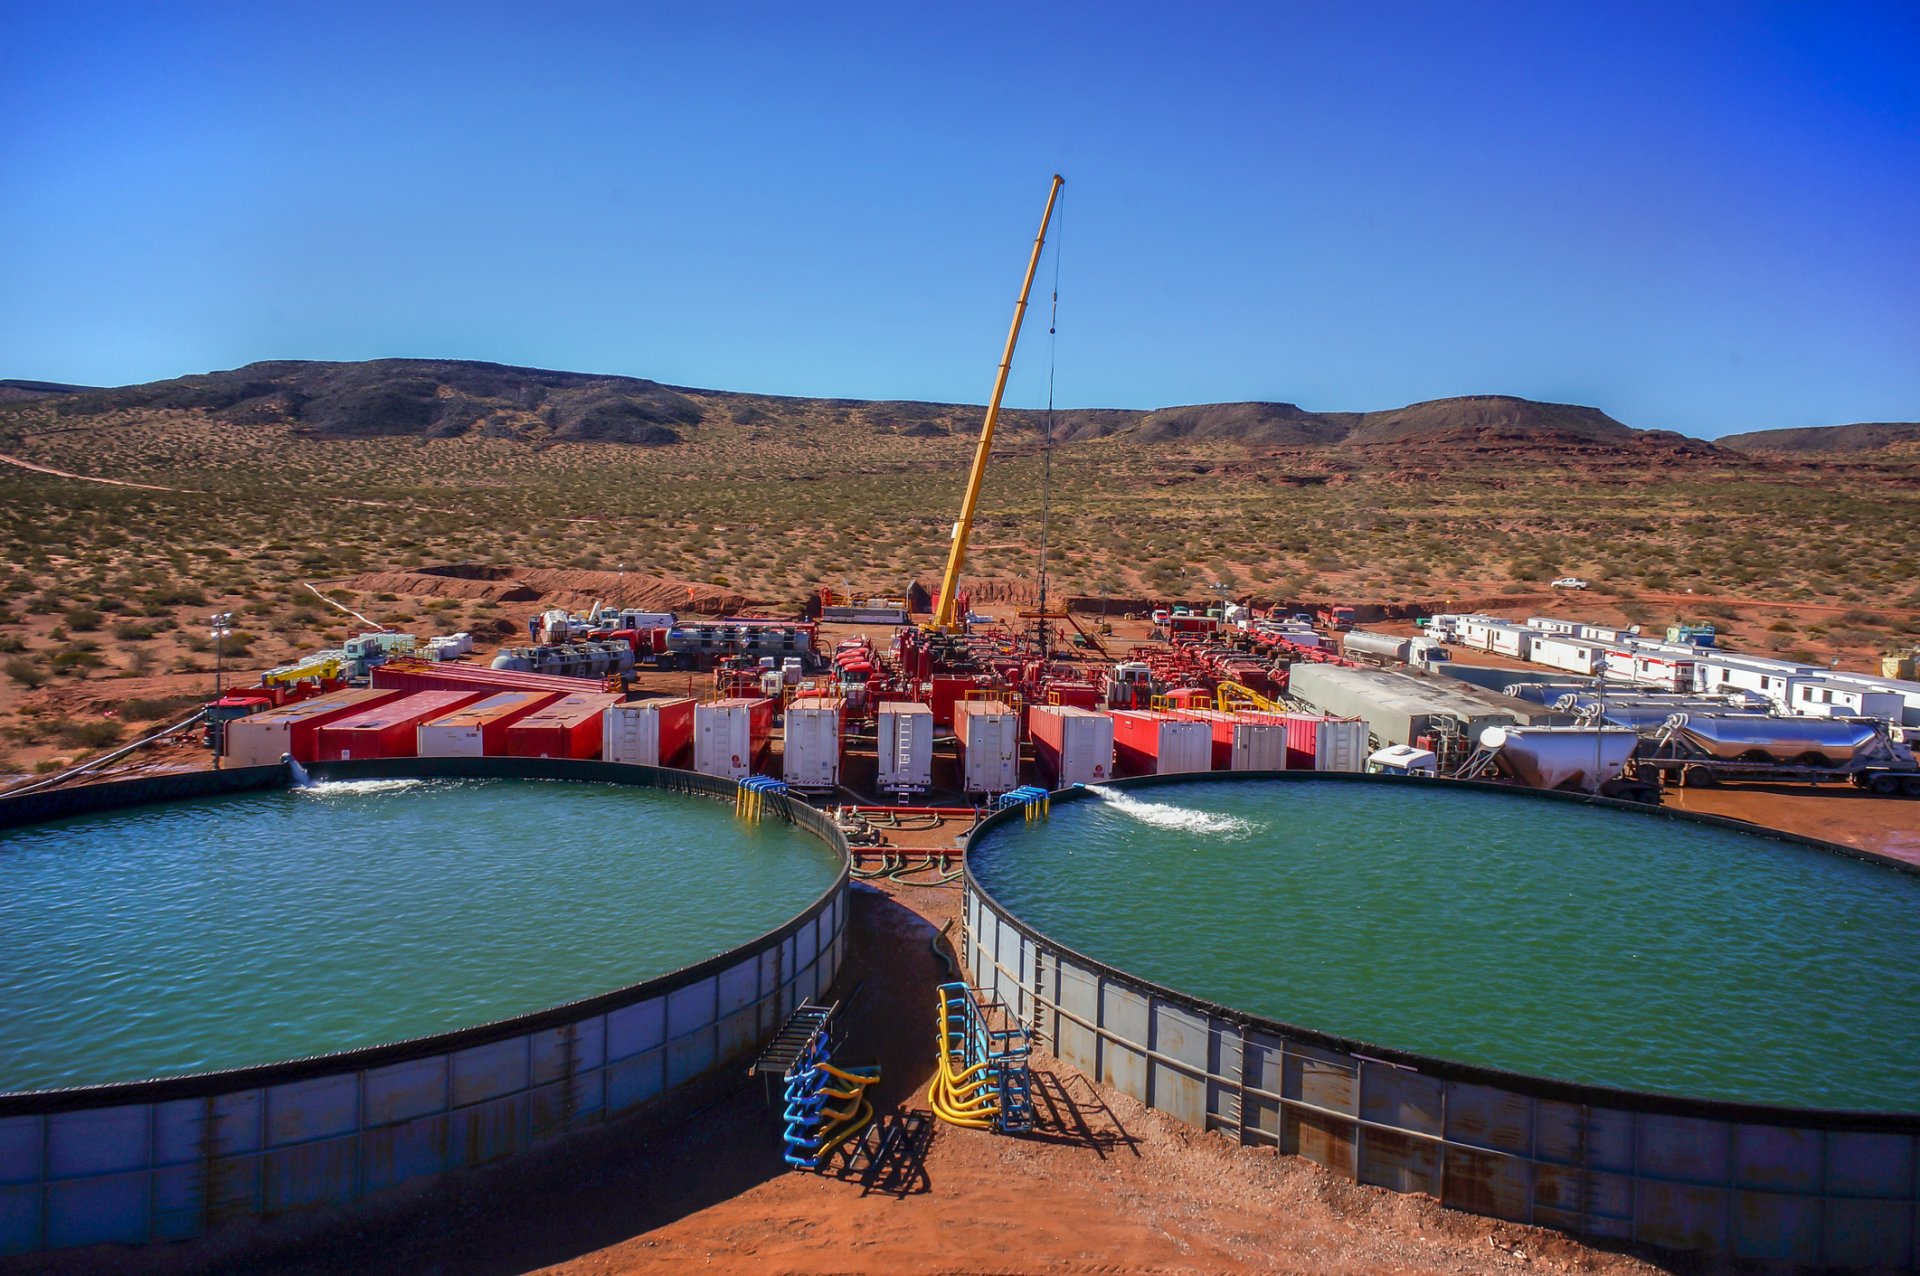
(649, 732)
(1830, 698)
(1548, 625)
(388, 730)
(731, 736)
(1475, 631)
(480, 729)
(289, 731)
(1908, 691)
(811, 748)
(1574, 655)
(1071, 745)
(1669, 673)
(904, 747)
(1510, 640)
(569, 727)
(1160, 744)
(989, 735)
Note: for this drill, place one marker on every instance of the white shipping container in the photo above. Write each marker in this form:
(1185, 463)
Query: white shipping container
(812, 747)
(1185, 746)
(1259, 746)
(723, 740)
(631, 733)
(905, 747)
(989, 746)
(457, 739)
(1079, 743)
(1340, 745)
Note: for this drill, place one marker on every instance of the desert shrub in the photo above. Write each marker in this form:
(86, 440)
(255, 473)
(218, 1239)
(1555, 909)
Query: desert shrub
(76, 658)
(171, 596)
(95, 734)
(26, 672)
(128, 631)
(154, 708)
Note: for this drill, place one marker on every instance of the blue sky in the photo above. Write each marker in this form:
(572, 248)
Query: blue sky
(1697, 216)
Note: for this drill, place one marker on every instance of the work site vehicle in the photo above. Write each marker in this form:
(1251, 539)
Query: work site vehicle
(1701, 750)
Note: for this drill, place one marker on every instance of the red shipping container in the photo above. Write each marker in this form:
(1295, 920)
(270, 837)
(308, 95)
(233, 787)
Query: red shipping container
(1083, 695)
(480, 729)
(264, 738)
(946, 692)
(420, 675)
(390, 730)
(570, 727)
(1160, 744)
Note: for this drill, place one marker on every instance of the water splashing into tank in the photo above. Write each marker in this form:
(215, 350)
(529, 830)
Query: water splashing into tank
(1165, 815)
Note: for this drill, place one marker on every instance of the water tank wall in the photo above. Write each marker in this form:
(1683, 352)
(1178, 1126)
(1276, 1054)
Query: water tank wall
(1729, 1179)
(157, 1158)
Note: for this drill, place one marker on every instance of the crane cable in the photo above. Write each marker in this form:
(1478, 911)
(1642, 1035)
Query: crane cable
(1046, 446)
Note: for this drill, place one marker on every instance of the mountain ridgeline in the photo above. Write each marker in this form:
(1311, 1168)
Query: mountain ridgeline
(447, 398)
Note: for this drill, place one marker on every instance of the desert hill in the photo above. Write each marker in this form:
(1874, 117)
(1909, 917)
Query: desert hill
(1866, 436)
(22, 391)
(445, 398)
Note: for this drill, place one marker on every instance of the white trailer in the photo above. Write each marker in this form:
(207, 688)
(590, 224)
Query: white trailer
(1510, 640)
(989, 734)
(1606, 633)
(1573, 655)
(1475, 631)
(905, 747)
(1907, 691)
(811, 749)
(1548, 625)
(1830, 698)
(1669, 673)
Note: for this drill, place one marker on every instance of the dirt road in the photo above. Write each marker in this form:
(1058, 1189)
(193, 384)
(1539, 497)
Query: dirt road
(37, 468)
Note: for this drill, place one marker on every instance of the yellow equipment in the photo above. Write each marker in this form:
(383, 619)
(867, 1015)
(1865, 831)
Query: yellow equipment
(957, 554)
(1231, 695)
(965, 1097)
(324, 665)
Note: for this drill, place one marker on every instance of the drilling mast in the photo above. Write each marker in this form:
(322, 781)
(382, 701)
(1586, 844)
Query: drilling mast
(956, 556)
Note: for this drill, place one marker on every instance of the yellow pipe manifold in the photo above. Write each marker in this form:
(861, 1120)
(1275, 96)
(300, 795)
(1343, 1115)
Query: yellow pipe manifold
(963, 1098)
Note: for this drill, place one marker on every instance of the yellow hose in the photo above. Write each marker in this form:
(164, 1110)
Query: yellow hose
(963, 1098)
(858, 1122)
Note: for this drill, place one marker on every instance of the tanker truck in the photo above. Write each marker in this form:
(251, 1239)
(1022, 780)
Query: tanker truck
(1380, 649)
(1701, 750)
(1588, 759)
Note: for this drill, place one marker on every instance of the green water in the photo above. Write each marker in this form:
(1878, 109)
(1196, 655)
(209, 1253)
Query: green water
(209, 934)
(1560, 940)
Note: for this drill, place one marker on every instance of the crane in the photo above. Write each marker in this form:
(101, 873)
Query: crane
(943, 618)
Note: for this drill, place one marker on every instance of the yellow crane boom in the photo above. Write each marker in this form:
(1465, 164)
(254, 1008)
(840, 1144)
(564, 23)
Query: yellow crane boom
(957, 555)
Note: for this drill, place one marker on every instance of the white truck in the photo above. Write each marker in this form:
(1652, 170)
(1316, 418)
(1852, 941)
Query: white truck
(1420, 653)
